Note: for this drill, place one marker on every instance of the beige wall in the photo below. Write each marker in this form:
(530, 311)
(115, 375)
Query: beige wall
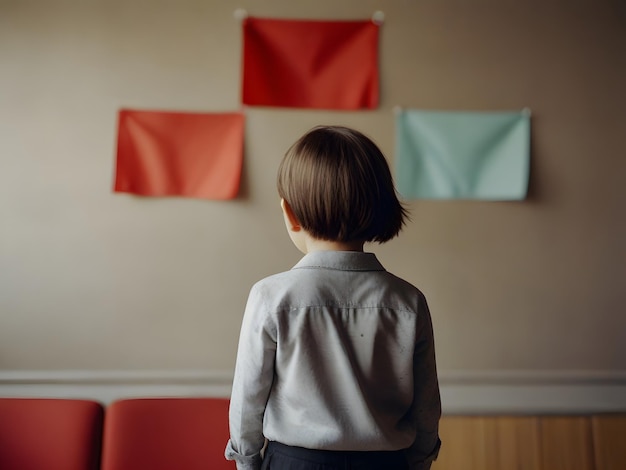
(90, 279)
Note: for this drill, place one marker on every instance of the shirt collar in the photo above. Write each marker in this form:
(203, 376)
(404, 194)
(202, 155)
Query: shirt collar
(342, 260)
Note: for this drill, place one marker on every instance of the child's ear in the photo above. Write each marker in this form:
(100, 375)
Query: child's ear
(289, 215)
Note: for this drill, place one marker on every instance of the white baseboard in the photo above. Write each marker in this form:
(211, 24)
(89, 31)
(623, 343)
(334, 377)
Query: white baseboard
(533, 392)
(462, 392)
(110, 385)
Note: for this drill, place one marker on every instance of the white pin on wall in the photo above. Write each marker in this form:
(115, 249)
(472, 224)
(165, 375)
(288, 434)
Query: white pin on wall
(240, 14)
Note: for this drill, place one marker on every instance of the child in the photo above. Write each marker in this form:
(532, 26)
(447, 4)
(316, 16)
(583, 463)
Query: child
(336, 360)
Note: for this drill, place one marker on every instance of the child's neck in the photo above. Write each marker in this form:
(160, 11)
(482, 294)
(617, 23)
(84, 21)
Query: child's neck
(314, 244)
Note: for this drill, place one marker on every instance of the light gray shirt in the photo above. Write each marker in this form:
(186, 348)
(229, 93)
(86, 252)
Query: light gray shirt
(335, 354)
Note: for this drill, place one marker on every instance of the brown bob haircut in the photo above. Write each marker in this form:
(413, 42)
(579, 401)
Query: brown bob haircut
(339, 187)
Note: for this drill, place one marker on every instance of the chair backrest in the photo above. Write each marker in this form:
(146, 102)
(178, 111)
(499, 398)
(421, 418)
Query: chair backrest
(50, 433)
(165, 434)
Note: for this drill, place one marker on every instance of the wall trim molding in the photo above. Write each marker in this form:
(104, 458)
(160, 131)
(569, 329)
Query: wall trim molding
(462, 392)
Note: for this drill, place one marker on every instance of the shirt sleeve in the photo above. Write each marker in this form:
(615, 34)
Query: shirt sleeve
(254, 373)
(426, 408)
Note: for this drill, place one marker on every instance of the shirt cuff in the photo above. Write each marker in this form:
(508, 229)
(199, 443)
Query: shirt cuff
(244, 462)
(426, 462)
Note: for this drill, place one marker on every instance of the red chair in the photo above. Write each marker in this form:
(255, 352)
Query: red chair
(166, 434)
(50, 434)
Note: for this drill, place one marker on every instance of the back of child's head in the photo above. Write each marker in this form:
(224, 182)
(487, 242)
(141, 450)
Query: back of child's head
(339, 186)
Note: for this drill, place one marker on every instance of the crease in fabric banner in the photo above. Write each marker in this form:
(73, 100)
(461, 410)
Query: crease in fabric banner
(195, 155)
(462, 155)
(310, 63)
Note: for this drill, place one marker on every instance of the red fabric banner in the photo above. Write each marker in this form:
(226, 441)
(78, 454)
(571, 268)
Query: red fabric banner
(310, 64)
(196, 155)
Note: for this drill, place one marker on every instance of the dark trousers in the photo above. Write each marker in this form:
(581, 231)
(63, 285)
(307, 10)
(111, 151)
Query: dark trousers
(282, 457)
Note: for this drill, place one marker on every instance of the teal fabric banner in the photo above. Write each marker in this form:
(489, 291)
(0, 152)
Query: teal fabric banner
(462, 155)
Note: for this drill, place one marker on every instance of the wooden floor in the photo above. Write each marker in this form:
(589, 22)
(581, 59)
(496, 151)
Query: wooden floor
(532, 443)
